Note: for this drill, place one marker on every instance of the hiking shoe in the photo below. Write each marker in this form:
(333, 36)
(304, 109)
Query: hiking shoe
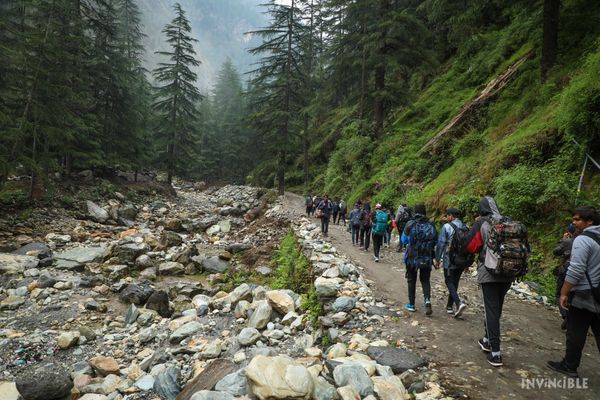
(428, 309)
(460, 310)
(410, 307)
(449, 310)
(485, 346)
(376, 259)
(495, 361)
(560, 366)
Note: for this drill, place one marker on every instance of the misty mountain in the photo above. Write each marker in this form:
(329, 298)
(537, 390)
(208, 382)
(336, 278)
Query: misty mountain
(218, 25)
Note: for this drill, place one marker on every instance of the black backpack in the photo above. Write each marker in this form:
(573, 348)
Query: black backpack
(460, 258)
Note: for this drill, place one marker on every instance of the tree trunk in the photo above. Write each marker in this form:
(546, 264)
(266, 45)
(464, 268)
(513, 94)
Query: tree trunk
(378, 112)
(305, 152)
(550, 41)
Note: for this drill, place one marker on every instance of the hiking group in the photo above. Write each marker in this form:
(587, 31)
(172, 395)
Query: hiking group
(499, 248)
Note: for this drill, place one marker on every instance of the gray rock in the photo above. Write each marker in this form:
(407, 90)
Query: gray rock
(325, 287)
(169, 239)
(82, 367)
(344, 303)
(128, 252)
(147, 334)
(264, 271)
(264, 351)
(324, 390)
(184, 331)
(96, 212)
(381, 311)
(128, 211)
(234, 383)
(45, 280)
(47, 382)
(146, 382)
(399, 360)
(209, 395)
(132, 314)
(166, 385)
(261, 315)
(37, 249)
(12, 264)
(171, 268)
(353, 375)
(159, 302)
(215, 265)
(145, 318)
(136, 293)
(417, 387)
(12, 303)
(144, 261)
(248, 336)
(77, 257)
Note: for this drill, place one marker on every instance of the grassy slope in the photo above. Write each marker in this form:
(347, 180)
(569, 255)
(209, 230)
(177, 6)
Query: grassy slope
(519, 148)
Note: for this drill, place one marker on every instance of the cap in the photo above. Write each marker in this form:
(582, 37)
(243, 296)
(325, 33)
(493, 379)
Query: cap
(453, 211)
(377, 206)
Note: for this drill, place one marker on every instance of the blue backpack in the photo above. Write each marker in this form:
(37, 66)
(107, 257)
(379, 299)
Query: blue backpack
(381, 220)
(422, 239)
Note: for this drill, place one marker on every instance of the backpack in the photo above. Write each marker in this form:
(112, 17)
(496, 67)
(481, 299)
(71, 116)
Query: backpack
(459, 257)
(366, 219)
(507, 248)
(381, 220)
(403, 215)
(342, 206)
(308, 201)
(422, 238)
(355, 217)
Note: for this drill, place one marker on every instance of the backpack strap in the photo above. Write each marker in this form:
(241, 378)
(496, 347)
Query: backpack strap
(453, 226)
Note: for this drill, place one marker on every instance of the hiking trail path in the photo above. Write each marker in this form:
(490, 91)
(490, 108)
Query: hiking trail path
(531, 333)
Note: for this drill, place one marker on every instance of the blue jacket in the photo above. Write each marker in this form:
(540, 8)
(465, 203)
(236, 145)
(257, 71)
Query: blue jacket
(444, 240)
(326, 207)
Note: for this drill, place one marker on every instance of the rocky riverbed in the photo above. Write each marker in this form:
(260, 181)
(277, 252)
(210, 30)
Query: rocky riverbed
(143, 301)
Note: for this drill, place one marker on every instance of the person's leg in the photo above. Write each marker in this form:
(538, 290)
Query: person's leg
(455, 278)
(323, 225)
(357, 234)
(595, 325)
(578, 324)
(492, 310)
(411, 280)
(367, 237)
(451, 288)
(326, 224)
(362, 237)
(424, 277)
(376, 244)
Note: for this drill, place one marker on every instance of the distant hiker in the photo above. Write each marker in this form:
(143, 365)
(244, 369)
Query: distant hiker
(365, 227)
(355, 220)
(403, 215)
(324, 212)
(580, 293)
(343, 211)
(454, 258)
(335, 209)
(491, 236)
(316, 202)
(308, 203)
(380, 220)
(420, 237)
(388, 228)
(563, 250)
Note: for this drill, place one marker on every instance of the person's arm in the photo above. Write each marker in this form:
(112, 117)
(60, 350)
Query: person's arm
(578, 263)
(564, 295)
(442, 244)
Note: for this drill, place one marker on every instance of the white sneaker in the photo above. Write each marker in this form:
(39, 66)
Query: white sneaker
(460, 310)
(376, 259)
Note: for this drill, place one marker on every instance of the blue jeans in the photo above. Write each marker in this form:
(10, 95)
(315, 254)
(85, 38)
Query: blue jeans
(452, 277)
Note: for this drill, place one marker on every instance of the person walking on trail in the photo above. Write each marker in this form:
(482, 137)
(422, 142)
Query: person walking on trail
(380, 220)
(324, 209)
(335, 209)
(420, 237)
(580, 293)
(403, 215)
(388, 228)
(355, 220)
(563, 251)
(365, 227)
(342, 213)
(446, 254)
(308, 203)
(494, 286)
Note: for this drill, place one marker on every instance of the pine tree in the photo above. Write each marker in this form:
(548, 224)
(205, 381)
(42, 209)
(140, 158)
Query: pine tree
(177, 99)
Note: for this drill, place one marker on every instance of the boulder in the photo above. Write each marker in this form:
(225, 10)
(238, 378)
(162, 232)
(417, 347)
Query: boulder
(136, 294)
(170, 238)
(67, 339)
(165, 384)
(132, 314)
(35, 249)
(208, 378)
(104, 365)
(77, 257)
(234, 383)
(48, 382)
(127, 252)
(159, 302)
(215, 265)
(184, 331)
(248, 336)
(171, 268)
(323, 389)
(280, 301)
(327, 287)
(96, 212)
(279, 377)
(12, 264)
(344, 303)
(353, 375)
(399, 360)
(12, 302)
(128, 212)
(388, 388)
(261, 315)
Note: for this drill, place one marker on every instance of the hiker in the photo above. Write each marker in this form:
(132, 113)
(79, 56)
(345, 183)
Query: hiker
(446, 253)
(324, 212)
(308, 203)
(335, 209)
(580, 293)
(403, 215)
(494, 283)
(380, 220)
(420, 237)
(355, 219)
(563, 250)
(365, 227)
(316, 202)
(342, 214)
(388, 227)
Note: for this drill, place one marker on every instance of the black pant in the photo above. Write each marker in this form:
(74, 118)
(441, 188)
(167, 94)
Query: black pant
(578, 323)
(452, 278)
(355, 233)
(411, 280)
(493, 300)
(377, 242)
(335, 217)
(342, 216)
(324, 225)
(400, 230)
(365, 237)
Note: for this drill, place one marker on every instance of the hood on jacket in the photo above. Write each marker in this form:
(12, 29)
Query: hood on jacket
(488, 207)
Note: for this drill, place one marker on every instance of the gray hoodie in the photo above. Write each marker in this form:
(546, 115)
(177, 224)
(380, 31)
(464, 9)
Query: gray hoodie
(585, 256)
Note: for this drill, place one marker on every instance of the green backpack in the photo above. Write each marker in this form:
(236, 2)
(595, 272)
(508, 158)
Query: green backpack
(381, 220)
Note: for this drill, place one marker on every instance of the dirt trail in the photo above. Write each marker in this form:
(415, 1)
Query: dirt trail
(531, 333)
